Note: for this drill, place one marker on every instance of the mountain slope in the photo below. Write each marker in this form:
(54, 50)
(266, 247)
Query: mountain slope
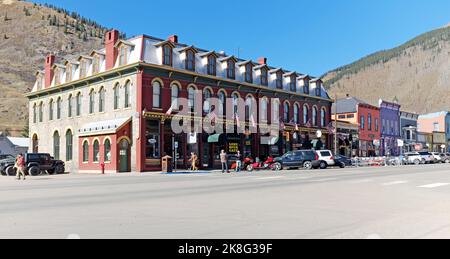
(28, 32)
(417, 74)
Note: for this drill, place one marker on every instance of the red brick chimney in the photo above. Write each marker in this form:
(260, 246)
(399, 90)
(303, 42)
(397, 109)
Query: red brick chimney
(173, 39)
(262, 61)
(111, 51)
(49, 73)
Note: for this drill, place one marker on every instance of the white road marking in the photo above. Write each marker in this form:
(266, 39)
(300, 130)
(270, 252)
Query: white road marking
(323, 180)
(394, 183)
(434, 185)
(361, 181)
(271, 178)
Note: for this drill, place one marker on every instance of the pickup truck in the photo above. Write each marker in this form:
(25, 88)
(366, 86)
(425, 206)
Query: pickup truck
(35, 163)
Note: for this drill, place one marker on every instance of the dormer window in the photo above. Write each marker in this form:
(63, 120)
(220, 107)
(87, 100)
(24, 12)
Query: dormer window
(68, 73)
(190, 60)
(96, 65)
(306, 87)
(167, 55)
(318, 89)
(123, 55)
(83, 68)
(264, 76)
(57, 76)
(248, 75)
(39, 82)
(231, 69)
(279, 80)
(293, 83)
(212, 65)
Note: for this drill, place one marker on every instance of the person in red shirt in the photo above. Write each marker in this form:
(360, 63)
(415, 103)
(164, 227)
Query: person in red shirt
(20, 167)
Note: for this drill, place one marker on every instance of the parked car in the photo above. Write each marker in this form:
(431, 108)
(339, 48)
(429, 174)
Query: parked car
(427, 156)
(414, 158)
(437, 157)
(326, 158)
(306, 159)
(445, 158)
(5, 159)
(35, 164)
(342, 161)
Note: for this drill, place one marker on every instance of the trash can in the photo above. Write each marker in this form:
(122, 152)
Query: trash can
(166, 164)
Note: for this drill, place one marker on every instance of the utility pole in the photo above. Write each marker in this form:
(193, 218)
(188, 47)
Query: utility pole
(335, 126)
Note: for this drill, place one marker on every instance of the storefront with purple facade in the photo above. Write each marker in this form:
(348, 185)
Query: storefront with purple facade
(390, 128)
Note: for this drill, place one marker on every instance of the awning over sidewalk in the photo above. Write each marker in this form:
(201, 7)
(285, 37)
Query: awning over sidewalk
(214, 138)
(103, 127)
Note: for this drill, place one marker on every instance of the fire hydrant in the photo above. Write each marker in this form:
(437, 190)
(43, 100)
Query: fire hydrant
(102, 165)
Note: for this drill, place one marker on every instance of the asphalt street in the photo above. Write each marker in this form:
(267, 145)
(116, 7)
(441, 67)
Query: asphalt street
(366, 203)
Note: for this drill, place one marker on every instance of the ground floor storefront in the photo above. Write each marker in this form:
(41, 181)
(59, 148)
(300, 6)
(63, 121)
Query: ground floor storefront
(389, 146)
(160, 141)
(369, 148)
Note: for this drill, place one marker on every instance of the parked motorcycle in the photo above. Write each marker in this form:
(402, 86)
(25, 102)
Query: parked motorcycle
(266, 165)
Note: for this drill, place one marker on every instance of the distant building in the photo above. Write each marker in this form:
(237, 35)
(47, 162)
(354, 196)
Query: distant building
(408, 127)
(13, 146)
(347, 138)
(367, 117)
(438, 124)
(390, 128)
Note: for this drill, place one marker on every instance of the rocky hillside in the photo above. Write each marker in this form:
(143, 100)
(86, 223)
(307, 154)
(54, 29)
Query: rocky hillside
(417, 74)
(28, 32)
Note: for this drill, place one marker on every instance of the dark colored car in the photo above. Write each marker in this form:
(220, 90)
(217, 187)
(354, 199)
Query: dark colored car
(306, 159)
(6, 159)
(342, 161)
(35, 164)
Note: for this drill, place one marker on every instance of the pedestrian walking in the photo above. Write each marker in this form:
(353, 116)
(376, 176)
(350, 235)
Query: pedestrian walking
(20, 167)
(193, 161)
(238, 162)
(224, 161)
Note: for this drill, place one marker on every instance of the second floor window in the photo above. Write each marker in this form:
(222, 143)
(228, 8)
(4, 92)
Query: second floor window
(127, 95)
(69, 107)
(377, 127)
(369, 122)
(101, 100)
(314, 116)
(296, 113)
(116, 97)
(91, 101)
(167, 55)
(156, 94)
(50, 110)
(286, 112)
(212, 65)
(363, 122)
(58, 108)
(78, 104)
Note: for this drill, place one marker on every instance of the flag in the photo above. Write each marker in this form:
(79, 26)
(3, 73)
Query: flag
(308, 124)
(169, 112)
(331, 129)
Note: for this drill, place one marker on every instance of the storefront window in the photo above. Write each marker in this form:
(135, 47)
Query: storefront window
(153, 140)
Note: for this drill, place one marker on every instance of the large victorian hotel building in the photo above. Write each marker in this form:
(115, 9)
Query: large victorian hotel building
(110, 107)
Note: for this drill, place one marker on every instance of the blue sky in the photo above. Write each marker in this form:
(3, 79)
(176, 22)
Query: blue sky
(308, 36)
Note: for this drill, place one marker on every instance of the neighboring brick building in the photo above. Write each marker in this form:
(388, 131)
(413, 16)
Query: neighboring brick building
(111, 106)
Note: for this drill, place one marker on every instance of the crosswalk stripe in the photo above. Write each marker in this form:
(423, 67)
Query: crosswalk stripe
(394, 183)
(434, 185)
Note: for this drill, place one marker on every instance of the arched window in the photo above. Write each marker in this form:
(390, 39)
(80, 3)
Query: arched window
(91, 101)
(34, 114)
(231, 69)
(286, 112)
(296, 113)
(207, 100)
(263, 111)
(235, 104)
(50, 110)
(107, 145)
(85, 151)
(222, 103)
(191, 98)
(323, 118)
(306, 114)
(127, 94)
(249, 108)
(58, 108)
(276, 112)
(212, 65)
(190, 60)
(314, 116)
(175, 92)
(156, 94)
(369, 121)
(96, 153)
(56, 145)
(35, 143)
(78, 104)
(167, 55)
(101, 100)
(116, 96)
(69, 107)
(41, 112)
(69, 145)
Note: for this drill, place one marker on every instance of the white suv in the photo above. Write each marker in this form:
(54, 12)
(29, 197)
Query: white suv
(437, 157)
(326, 158)
(414, 158)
